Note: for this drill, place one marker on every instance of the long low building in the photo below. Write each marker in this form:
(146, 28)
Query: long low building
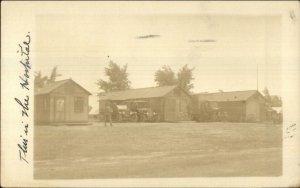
(169, 102)
(247, 105)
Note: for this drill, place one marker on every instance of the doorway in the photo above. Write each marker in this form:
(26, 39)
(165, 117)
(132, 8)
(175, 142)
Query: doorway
(59, 109)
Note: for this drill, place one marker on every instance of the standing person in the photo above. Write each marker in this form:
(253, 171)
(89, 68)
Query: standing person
(107, 113)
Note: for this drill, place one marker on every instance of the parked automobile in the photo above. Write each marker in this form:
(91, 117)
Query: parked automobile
(124, 114)
(143, 111)
(208, 111)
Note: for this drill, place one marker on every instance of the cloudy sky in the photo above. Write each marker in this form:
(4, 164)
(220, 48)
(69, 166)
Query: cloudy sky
(225, 50)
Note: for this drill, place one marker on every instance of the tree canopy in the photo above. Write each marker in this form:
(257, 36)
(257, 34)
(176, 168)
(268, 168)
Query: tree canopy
(40, 80)
(272, 100)
(166, 76)
(185, 77)
(267, 95)
(54, 75)
(117, 78)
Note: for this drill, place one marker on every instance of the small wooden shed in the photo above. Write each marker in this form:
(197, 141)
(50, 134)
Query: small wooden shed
(63, 101)
(249, 105)
(169, 102)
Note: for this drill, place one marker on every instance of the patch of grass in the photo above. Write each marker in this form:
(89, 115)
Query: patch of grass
(130, 150)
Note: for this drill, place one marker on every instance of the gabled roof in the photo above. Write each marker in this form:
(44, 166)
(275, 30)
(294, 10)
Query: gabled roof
(51, 87)
(227, 96)
(150, 92)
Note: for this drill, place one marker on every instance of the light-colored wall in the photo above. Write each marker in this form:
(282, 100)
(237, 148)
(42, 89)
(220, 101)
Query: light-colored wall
(70, 114)
(70, 91)
(76, 116)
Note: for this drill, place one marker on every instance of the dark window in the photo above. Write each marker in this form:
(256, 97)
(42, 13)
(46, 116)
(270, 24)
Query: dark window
(78, 104)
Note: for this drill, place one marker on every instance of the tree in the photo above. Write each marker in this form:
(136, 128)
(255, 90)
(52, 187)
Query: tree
(185, 77)
(53, 75)
(276, 101)
(267, 95)
(272, 100)
(165, 76)
(117, 78)
(41, 81)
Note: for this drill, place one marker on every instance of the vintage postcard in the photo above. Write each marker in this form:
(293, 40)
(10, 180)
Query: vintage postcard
(150, 94)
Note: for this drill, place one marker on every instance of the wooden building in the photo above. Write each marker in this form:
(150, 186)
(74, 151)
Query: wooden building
(169, 102)
(247, 105)
(63, 101)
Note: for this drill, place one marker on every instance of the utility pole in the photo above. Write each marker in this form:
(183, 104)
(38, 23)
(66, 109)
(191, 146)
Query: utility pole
(257, 76)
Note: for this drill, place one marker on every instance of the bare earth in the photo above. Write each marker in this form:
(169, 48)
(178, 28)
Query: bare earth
(142, 150)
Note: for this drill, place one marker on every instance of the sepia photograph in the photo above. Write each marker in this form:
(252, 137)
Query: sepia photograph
(157, 96)
(129, 90)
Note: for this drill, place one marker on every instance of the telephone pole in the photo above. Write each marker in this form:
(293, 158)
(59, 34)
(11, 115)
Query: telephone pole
(257, 76)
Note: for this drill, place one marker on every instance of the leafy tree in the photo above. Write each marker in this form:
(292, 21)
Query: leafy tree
(53, 75)
(165, 76)
(117, 78)
(272, 100)
(41, 81)
(267, 95)
(276, 101)
(185, 77)
(266, 92)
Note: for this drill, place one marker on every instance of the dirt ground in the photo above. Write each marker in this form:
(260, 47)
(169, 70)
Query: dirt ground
(144, 150)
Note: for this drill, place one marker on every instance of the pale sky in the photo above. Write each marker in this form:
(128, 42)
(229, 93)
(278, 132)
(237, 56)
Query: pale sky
(79, 46)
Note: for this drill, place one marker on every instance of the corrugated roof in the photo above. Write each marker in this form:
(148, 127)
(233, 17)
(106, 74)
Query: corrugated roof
(227, 96)
(50, 87)
(150, 92)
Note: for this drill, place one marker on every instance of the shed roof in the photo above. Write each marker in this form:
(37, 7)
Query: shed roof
(51, 87)
(150, 92)
(227, 96)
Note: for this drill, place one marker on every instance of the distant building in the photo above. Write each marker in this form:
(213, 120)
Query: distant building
(239, 105)
(169, 102)
(63, 101)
